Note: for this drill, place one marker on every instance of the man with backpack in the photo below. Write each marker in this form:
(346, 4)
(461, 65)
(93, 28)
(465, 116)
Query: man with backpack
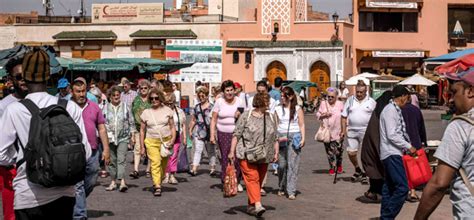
(455, 158)
(94, 123)
(34, 131)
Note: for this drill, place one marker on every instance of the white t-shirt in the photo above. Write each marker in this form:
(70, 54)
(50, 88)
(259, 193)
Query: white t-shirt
(6, 101)
(344, 93)
(284, 116)
(457, 150)
(271, 108)
(177, 94)
(358, 112)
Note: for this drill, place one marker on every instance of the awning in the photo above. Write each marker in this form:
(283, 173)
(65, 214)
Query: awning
(85, 35)
(143, 65)
(282, 44)
(20, 50)
(163, 34)
(64, 62)
(450, 56)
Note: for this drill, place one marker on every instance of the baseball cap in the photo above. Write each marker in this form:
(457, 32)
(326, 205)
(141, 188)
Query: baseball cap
(237, 85)
(63, 83)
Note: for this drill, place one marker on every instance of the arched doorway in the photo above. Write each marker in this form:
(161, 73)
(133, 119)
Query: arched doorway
(275, 69)
(319, 74)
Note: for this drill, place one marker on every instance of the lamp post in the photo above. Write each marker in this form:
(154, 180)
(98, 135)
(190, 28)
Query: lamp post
(335, 17)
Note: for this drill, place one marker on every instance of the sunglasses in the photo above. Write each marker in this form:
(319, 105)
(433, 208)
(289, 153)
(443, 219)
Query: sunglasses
(144, 88)
(155, 98)
(169, 104)
(331, 97)
(18, 77)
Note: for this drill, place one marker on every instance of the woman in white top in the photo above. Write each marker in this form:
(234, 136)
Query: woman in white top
(291, 131)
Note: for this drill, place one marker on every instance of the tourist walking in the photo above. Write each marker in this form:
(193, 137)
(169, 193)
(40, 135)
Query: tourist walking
(291, 129)
(180, 124)
(262, 87)
(415, 126)
(139, 104)
(94, 123)
(177, 95)
(199, 129)
(255, 144)
(355, 118)
(225, 113)
(330, 116)
(455, 156)
(64, 90)
(157, 128)
(370, 152)
(120, 130)
(128, 95)
(393, 141)
(343, 92)
(35, 201)
(275, 93)
(8, 171)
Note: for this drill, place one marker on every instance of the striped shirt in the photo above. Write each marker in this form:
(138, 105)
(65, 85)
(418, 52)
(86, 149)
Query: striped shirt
(128, 97)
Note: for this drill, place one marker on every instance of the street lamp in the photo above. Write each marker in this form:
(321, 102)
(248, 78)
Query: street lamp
(335, 17)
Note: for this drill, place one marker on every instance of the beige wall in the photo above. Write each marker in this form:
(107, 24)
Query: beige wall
(231, 7)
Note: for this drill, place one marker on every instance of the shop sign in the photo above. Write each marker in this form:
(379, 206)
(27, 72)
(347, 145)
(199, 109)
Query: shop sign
(404, 54)
(127, 13)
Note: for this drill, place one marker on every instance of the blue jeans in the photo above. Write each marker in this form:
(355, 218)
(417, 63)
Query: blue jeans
(395, 187)
(84, 188)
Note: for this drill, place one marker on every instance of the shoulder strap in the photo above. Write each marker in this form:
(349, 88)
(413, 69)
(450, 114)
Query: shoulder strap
(62, 103)
(463, 117)
(203, 116)
(31, 106)
(177, 115)
(462, 172)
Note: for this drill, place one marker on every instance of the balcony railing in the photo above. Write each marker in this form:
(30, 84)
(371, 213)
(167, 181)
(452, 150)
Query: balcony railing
(52, 20)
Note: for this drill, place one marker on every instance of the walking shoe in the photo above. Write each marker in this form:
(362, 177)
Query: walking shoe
(123, 187)
(251, 210)
(148, 174)
(240, 188)
(281, 193)
(340, 170)
(166, 180)
(212, 172)
(259, 211)
(356, 177)
(364, 179)
(331, 172)
(263, 192)
(135, 175)
(291, 197)
(173, 180)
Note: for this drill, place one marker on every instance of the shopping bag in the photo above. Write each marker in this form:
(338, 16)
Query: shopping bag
(183, 163)
(417, 168)
(230, 181)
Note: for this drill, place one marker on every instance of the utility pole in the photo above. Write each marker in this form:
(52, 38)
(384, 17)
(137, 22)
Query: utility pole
(82, 9)
(48, 7)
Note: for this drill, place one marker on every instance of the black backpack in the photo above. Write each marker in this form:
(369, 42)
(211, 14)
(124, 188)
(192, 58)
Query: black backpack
(54, 154)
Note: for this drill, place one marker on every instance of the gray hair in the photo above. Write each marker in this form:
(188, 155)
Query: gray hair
(144, 82)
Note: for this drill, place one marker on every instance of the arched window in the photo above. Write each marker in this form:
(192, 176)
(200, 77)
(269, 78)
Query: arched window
(248, 57)
(235, 57)
(276, 27)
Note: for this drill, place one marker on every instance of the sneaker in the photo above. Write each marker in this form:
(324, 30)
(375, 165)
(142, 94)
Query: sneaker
(281, 193)
(166, 180)
(240, 188)
(331, 172)
(251, 210)
(259, 211)
(173, 180)
(356, 177)
(364, 179)
(263, 192)
(291, 197)
(340, 170)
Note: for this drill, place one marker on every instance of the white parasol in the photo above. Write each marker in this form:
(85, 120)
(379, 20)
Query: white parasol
(353, 80)
(417, 80)
(458, 29)
(368, 75)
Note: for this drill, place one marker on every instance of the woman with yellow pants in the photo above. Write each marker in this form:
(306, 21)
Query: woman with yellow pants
(157, 126)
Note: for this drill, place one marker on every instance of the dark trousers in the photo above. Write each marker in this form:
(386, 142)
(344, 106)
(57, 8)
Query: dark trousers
(395, 188)
(60, 209)
(376, 186)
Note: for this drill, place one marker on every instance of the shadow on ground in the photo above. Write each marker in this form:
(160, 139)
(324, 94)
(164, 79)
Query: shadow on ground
(99, 213)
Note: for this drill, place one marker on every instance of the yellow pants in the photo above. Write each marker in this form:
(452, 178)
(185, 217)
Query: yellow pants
(158, 163)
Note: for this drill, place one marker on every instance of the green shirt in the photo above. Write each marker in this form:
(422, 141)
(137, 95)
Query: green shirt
(138, 106)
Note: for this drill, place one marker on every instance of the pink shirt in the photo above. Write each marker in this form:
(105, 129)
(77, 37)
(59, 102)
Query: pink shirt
(333, 122)
(225, 114)
(92, 116)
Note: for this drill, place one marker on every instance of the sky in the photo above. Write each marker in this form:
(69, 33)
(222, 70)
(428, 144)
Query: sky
(61, 7)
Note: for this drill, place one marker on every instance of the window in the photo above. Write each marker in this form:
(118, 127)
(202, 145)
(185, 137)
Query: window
(388, 22)
(248, 57)
(235, 57)
(465, 15)
(345, 51)
(350, 51)
(276, 28)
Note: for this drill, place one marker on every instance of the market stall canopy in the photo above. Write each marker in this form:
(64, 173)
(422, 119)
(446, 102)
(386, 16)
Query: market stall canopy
(417, 80)
(20, 50)
(144, 65)
(459, 69)
(163, 34)
(64, 62)
(297, 85)
(450, 56)
(353, 80)
(368, 75)
(85, 35)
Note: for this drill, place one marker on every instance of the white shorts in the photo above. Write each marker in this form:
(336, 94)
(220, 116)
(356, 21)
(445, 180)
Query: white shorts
(354, 140)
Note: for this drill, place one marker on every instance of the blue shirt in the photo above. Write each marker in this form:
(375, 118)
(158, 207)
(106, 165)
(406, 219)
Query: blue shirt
(275, 94)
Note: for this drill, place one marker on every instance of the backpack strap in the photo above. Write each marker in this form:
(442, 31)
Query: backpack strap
(34, 110)
(462, 171)
(62, 103)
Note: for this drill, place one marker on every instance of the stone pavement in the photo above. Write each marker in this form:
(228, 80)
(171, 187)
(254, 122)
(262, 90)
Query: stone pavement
(200, 197)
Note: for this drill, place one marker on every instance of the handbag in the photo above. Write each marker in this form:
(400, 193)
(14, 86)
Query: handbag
(323, 134)
(257, 153)
(164, 150)
(208, 132)
(417, 168)
(183, 163)
(230, 181)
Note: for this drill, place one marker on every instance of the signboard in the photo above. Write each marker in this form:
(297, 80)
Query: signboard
(404, 54)
(206, 56)
(128, 13)
(391, 4)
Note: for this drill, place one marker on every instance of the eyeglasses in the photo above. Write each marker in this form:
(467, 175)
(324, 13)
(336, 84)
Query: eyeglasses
(331, 97)
(155, 98)
(169, 104)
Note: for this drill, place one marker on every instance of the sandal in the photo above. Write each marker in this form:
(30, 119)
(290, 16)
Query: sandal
(157, 191)
(135, 175)
(371, 196)
(148, 174)
(103, 174)
(413, 199)
(123, 188)
(111, 187)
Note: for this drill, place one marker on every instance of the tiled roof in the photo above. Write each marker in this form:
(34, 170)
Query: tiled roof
(271, 44)
(77, 35)
(163, 34)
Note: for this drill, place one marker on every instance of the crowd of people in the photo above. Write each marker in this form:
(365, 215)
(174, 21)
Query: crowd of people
(249, 133)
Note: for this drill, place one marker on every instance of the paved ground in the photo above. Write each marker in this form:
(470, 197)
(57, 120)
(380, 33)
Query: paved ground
(200, 197)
